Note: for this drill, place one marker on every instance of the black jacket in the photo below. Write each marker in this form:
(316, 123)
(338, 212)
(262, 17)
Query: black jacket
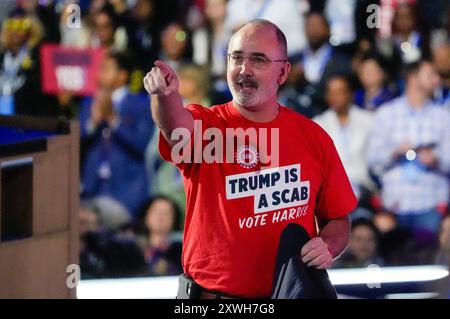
(292, 278)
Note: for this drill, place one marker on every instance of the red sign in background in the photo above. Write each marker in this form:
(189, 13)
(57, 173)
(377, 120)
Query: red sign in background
(70, 70)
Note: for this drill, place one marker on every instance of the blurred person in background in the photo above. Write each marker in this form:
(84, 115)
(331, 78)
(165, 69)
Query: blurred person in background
(409, 150)
(317, 62)
(194, 85)
(211, 41)
(105, 252)
(362, 250)
(441, 61)
(159, 220)
(341, 15)
(441, 35)
(144, 21)
(397, 245)
(115, 130)
(409, 41)
(90, 263)
(106, 30)
(287, 14)
(349, 127)
(111, 215)
(20, 74)
(385, 221)
(375, 90)
(45, 12)
(176, 47)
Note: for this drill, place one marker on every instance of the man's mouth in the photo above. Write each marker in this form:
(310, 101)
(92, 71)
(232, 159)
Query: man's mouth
(246, 85)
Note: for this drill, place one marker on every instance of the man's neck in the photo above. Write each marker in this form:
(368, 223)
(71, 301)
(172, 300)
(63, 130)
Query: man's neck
(261, 114)
(416, 98)
(343, 116)
(217, 26)
(316, 47)
(158, 240)
(373, 91)
(15, 50)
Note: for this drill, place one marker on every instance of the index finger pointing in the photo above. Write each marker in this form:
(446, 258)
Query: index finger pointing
(164, 67)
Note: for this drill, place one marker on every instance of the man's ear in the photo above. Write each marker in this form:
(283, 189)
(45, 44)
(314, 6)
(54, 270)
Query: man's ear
(284, 73)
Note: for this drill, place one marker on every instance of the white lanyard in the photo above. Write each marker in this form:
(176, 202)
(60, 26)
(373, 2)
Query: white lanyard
(11, 64)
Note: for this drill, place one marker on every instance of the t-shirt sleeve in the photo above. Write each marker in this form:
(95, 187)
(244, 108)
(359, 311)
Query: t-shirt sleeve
(202, 118)
(336, 198)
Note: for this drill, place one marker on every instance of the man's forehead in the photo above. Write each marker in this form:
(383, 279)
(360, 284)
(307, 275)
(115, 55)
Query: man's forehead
(427, 66)
(254, 32)
(251, 39)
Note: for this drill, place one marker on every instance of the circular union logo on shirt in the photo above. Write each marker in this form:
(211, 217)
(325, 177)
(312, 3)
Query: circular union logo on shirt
(247, 156)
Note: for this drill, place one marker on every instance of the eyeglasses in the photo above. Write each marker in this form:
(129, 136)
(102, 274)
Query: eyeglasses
(257, 61)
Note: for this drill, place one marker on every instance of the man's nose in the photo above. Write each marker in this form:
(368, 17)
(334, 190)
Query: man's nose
(246, 67)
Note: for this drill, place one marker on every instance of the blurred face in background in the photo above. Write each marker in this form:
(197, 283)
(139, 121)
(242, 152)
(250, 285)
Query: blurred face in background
(111, 76)
(427, 78)
(385, 221)
(96, 5)
(363, 243)
(339, 96)
(16, 32)
(104, 29)
(317, 30)
(160, 217)
(174, 41)
(404, 20)
(215, 10)
(441, 61)
(371, 74)
(28, 5)
(143, 10)
(193, 83)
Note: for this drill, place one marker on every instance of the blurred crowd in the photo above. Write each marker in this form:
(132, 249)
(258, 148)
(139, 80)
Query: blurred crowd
(375, 74)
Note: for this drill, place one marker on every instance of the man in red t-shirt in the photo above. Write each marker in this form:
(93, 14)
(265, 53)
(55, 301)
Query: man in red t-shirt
(250, 167)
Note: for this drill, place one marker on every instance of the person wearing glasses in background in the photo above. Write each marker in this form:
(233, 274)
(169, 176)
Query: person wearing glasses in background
(241, 211)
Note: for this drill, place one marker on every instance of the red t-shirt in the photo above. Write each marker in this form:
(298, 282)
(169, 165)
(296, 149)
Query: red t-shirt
(235, 212)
